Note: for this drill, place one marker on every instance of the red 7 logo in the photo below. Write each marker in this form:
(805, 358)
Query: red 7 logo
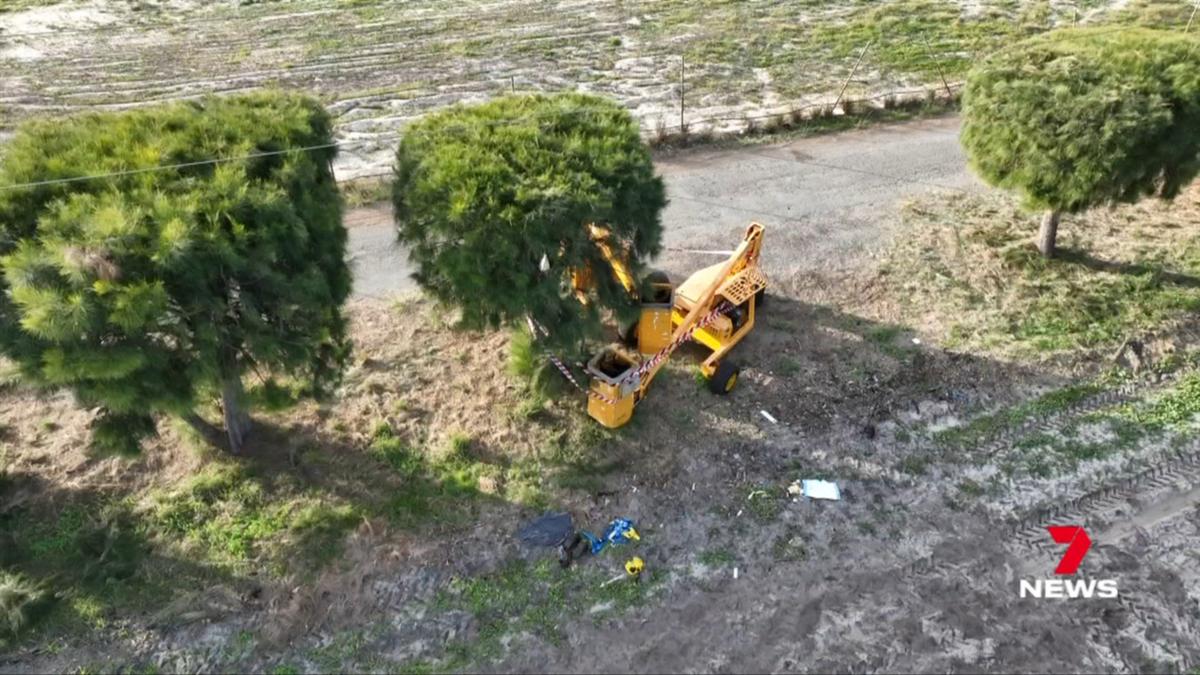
(1078, 544)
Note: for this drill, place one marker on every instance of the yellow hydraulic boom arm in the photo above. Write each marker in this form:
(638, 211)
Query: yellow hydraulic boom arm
(746, 253)
(581, 280)
(715, 307)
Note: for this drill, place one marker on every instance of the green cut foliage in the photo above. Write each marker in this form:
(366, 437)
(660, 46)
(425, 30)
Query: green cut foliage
(144, 292)
(483, 192)
(21, 602)
(1082, 117)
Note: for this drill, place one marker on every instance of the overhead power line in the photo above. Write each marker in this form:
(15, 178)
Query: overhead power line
(383, 138)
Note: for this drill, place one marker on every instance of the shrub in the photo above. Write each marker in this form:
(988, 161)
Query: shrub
(1083, 117)
(144, 291)
(484, 192)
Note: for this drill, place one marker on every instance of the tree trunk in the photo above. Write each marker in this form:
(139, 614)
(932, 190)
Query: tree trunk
(237, 420)
(1048, 233)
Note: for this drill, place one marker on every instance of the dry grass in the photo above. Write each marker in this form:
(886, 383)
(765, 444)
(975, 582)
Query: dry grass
(428, 436)
(965, 270)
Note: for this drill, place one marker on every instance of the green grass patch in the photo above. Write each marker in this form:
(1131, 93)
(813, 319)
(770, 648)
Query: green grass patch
(1175, 409)
(1168, 14)
(971, 488)
(986, 427)
(915, 465)
(718, 557)
(788, 366)
(887, 338)
(969, 265)
(229, 516)
(930, 38)
(765, 502)
(789, 546)
(445, 486)
(1043, 455)
(90, 559)
(539, 599)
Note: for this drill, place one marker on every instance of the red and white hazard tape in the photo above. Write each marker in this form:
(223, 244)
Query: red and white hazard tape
(535, 328)
(662, 354)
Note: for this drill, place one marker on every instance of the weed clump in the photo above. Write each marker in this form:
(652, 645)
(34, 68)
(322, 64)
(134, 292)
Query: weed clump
(22, 601)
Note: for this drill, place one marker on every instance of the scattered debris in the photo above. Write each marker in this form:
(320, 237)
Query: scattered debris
(767, 415)
(821, 489)
(612, 581)
(794, 489)
(577, 547)
(634, 567)
(1131, 355)
(735, 574)
(551, 529)
(633, 570)
(619, 530)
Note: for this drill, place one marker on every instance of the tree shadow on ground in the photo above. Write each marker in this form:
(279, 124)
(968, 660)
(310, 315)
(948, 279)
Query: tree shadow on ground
(96, 556)
(812, 364)
(815, 369)
(1081, 257)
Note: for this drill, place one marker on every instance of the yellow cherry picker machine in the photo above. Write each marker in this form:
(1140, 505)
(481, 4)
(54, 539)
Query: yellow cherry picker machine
(714, 307)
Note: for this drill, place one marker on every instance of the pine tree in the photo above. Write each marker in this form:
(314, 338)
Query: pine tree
(482, 193)
(154, 290)
(1083, 117)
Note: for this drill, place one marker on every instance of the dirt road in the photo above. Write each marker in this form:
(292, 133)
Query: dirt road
(818, 196)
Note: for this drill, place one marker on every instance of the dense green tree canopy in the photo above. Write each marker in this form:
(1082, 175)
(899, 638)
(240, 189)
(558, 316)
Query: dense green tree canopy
(1080, 117)
(145, 291)
(483, 192)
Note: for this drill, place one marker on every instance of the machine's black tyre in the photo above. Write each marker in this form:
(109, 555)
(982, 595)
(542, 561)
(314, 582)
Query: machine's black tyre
(657, 277)
(739, 314)
(628, 334)
(760, 299)
(725, 379)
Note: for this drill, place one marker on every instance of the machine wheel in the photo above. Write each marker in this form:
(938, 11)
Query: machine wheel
(657, 277)
(760, 298)
(739, 314)
(628, 334)
(724, 379)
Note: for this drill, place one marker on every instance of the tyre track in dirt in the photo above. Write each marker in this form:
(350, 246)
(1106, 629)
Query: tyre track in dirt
(1122, 507)
(953, 607)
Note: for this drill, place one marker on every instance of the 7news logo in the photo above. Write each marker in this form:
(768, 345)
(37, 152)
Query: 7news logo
(1078, 542)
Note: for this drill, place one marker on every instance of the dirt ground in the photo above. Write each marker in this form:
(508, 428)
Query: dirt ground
(915, 569)
(951, 461)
